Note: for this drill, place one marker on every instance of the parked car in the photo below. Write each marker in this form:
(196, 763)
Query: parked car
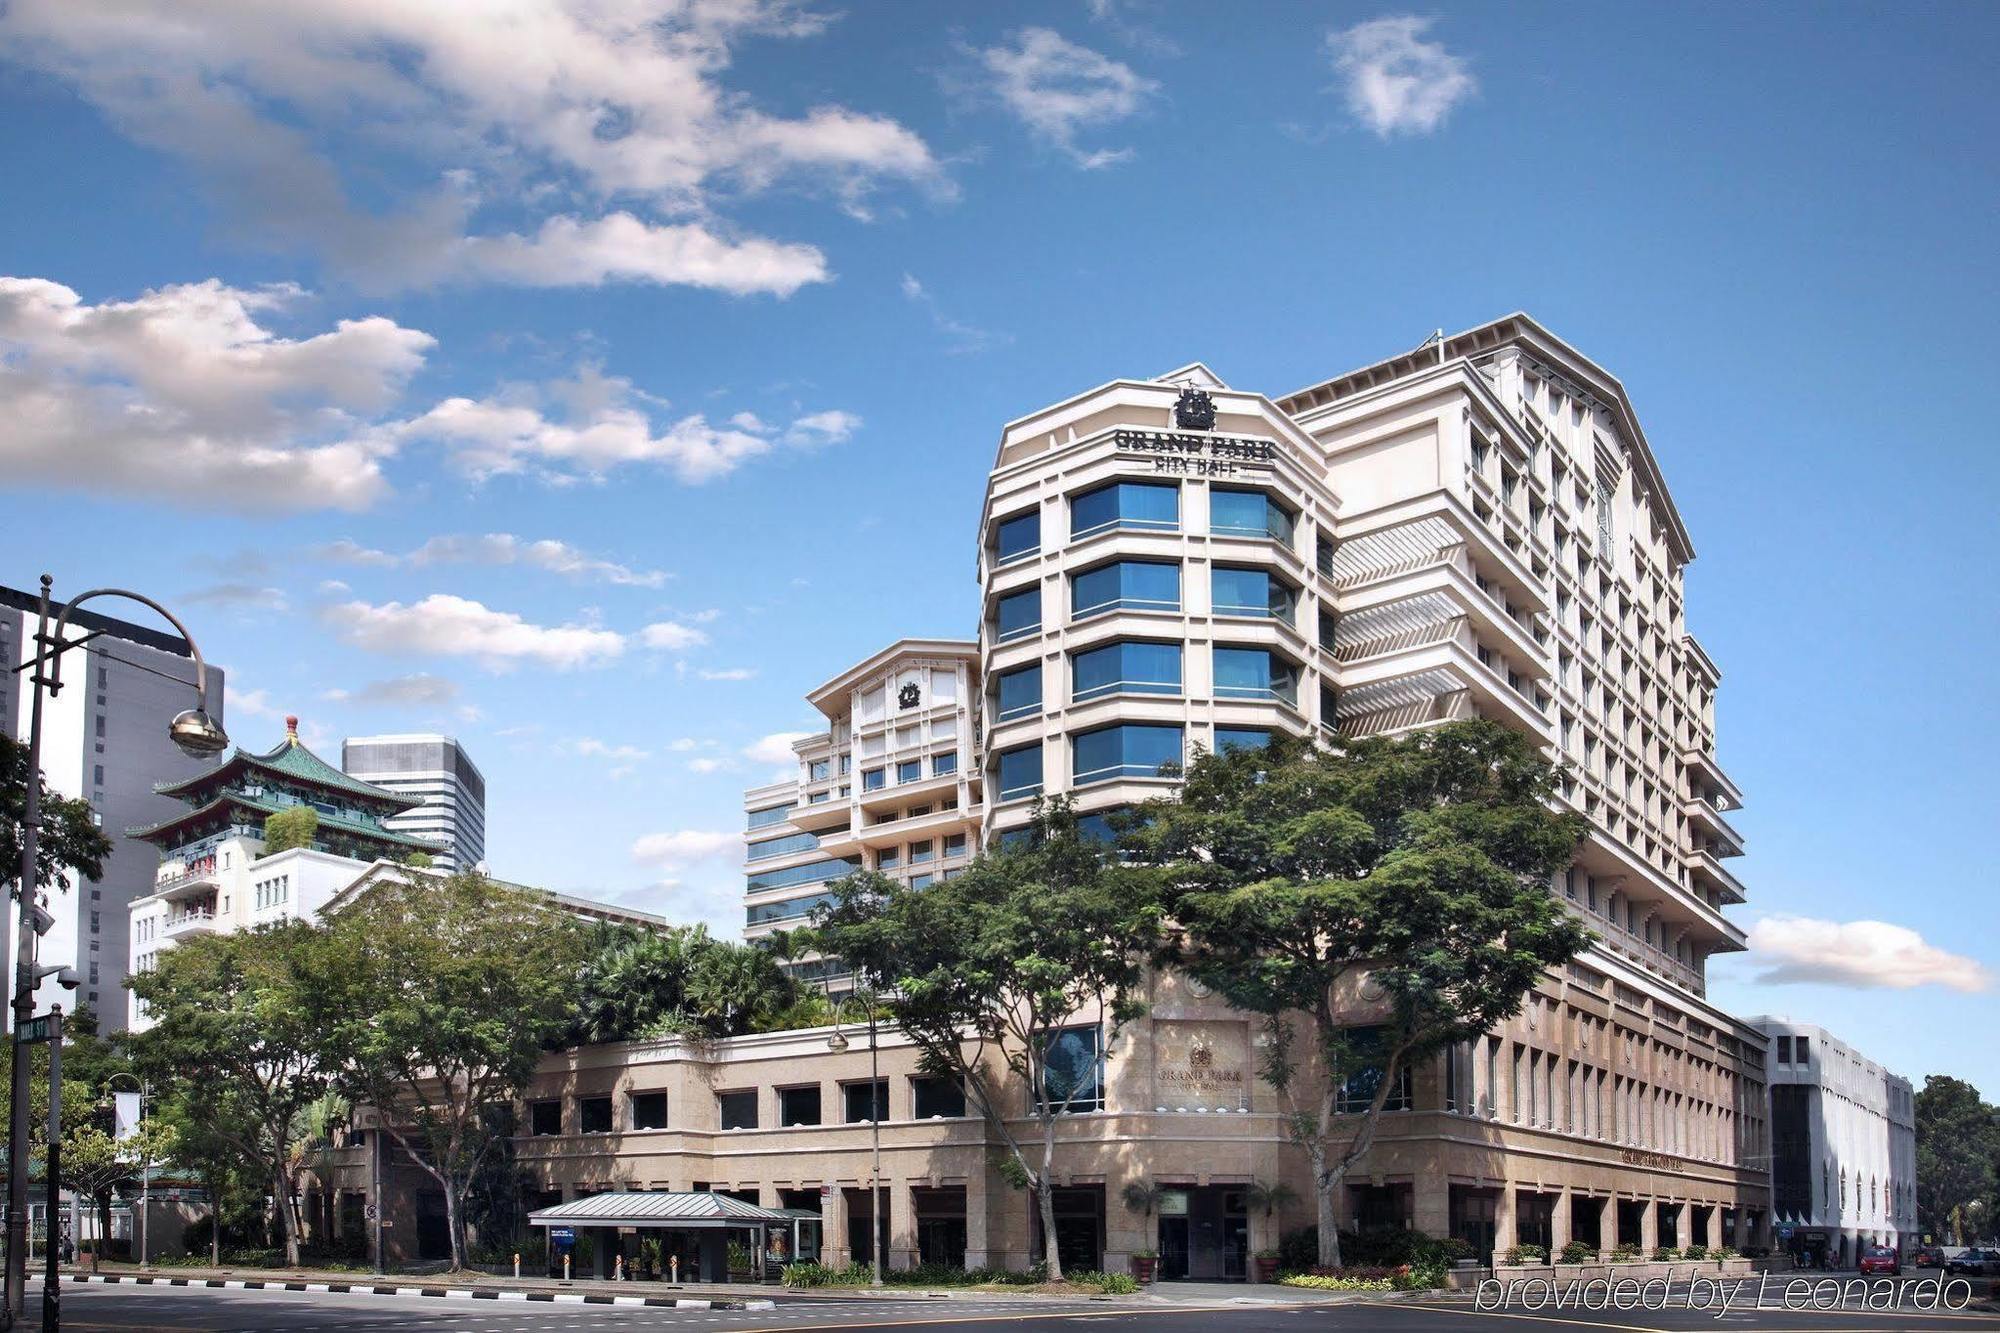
(1974, 1262)
(1880, 1259)
(1927, 1256)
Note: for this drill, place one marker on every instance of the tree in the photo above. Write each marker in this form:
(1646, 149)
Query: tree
(207, 1153)
(1392, 893)
(95, 1162)
(290, 828)
(1032, 958)
(241, 1028)
(70, 841)
(1958, 1138)
(645, 983)
(451, 991)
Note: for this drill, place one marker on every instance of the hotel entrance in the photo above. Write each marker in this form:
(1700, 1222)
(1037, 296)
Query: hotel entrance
(1204, 1233)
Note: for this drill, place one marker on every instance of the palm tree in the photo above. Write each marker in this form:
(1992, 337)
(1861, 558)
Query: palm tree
(1270, 1197)
(1143, 1196)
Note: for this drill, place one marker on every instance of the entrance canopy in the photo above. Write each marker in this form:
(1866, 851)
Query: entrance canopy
(665, 1209)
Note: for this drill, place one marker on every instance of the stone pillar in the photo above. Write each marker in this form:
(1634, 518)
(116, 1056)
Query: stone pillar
(1607, 1224)
(1740, 1237)
(901, 1201)
(833, 1250)
(1503, 1222)
(1714, 1238)
(1683, 1215)
(1649, 1227)
(976, 1242)
(1431, 1201)
(1559, 1224)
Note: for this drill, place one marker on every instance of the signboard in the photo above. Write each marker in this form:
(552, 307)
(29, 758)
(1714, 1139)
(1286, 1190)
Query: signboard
(562, 1235)
(37, 1029)
(1651, 1160)
(1189, 454)
(1201, 1063)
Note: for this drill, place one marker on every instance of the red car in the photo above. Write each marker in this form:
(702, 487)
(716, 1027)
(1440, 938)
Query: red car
(1927, 1256)
(1881, 1259)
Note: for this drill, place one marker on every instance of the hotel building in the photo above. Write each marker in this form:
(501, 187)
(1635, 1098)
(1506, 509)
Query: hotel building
(449, 787)
(1843, 1146)
(1474, 529)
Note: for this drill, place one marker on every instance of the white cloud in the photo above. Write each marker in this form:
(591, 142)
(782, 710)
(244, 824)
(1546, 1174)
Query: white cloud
(443, 625)
(727, 673)
(239, 597)
(1872, 954)
(1397, 83)
(674, 851)
(775, 748)
(1059, 89)
(251, 703)
(291, 112)
(959, 336)
(417, 690)
(707, 764)
(671, 637)
(183, 394)
(595, 424)
(497, 548)
(591, 746)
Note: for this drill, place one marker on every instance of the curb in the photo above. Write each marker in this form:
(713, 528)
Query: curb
(448, 1293)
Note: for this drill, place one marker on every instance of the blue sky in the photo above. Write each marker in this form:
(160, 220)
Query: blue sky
(592, 381)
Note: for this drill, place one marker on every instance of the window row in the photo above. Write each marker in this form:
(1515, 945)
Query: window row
(1150, 585)
(861, 1102)
(1124, 750)
(1137, 666)
(909, 770)
(1143, 506)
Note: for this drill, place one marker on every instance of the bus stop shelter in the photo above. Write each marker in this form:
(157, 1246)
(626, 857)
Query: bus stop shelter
(696, 1228)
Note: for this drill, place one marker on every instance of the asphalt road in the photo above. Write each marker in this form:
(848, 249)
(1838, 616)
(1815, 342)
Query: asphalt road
(90, 1308)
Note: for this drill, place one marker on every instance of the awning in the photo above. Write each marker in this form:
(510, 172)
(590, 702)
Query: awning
(661, 1208)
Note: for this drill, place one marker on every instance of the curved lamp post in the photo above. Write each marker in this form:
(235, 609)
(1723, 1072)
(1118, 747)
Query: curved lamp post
(198, 735)
(838, 1043)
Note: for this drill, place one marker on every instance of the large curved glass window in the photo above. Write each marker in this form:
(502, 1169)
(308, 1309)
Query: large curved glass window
(787, 910)
(791, 842)
(1241, 738)
(1248, 514)
(1126, 667)
(1130, 505)
(1019, 537)
(1020, 613)
(1132, 750)
(1021, 772)
(1020, 693)
(1254, 673)
(805, 874)
(1127, 585)
(1250, 592)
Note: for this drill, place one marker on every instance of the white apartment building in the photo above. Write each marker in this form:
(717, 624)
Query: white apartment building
(1475, 529)
(1843, 1145)
(892, 784)
(441, 776)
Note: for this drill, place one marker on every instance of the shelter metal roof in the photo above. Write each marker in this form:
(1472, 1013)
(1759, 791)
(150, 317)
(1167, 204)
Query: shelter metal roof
(657, 1208)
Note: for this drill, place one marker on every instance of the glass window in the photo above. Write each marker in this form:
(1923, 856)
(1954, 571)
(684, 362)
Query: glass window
(594, 1115)
(937, 1097)
(738, 1109)
(803, 874)
(785, 910)
(791, 842)
(1126, 667)
(1805, 1050)
(1128, 585)
(774, 814)
(649, 1110)
(944, 764)
(798, 1106)
(1255, 673)
(1138, 505)
(874, 779)
(865, 1101)
(1020, 693)
(922, 881)
(954, 845)
(1329, 708)
(1131, 750)
(1021, 772)
(1784, 1050)
(1250, 592)
(910, 770)
(1071, 1071)
(889, 859)
(1241, 738)
(545, 1118)
(921, 851)
(1359, 1088)
(1329, 637)
(1100, 825)
(1248, 514)
(1020, 613)
(1019, 536)
(818, 771)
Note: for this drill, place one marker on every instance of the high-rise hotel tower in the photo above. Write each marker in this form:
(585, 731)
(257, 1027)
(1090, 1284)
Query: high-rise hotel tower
(1477, 528)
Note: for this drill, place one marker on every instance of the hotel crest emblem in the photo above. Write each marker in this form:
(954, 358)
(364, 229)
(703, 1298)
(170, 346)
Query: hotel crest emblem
(908, 696)
(1200, 1055)
(1194, 410)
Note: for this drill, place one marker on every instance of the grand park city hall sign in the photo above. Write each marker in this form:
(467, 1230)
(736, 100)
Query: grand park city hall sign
(1192, 450)
(1204, 1064)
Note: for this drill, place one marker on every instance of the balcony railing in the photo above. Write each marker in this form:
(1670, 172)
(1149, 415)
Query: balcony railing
(189, 923)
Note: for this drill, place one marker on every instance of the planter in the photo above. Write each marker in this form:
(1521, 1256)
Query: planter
(1143, 1268)
(1267, 1268)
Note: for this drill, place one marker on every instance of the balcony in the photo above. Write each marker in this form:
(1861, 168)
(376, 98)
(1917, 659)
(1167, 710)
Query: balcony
(180, 883)
(183, 925)
(827, 814)
(1702, 762)
(1707, 867)
(1624, 944)
(1706, 817)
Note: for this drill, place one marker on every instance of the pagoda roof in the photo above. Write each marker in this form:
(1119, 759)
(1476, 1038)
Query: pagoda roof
(291, 759)
(163, 833)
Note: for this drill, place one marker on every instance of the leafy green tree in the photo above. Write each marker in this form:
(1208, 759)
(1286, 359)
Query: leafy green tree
(94, 1163)
(1958, 1139)
(241, 1028)
(638, 983)
(290, 828)
(993, 968)
(210, 1154)
(1391, 893)
(70, 841)
(450, 992)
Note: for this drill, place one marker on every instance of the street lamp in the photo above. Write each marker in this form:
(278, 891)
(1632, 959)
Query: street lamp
(838, 1043)
(199, 736)
(146, 1155)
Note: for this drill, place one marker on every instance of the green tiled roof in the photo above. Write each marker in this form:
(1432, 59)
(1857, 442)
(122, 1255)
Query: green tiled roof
(327, 823)
(293, 760)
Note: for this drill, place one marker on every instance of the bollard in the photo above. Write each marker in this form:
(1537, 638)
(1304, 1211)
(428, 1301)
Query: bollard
(674, 1264)
(618, 1269)
(565, 1267)
(517, 1265)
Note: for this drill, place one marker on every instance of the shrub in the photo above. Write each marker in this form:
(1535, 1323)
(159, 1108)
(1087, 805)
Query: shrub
(1422, 1277)
(1666, 1252)
(1727, 1252)
(1111, 1284)
(1624, 1254)
(1578, 1252)
(819, 1275)
(1695, 1252)
(1524, 1254)
(1328, 1282)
